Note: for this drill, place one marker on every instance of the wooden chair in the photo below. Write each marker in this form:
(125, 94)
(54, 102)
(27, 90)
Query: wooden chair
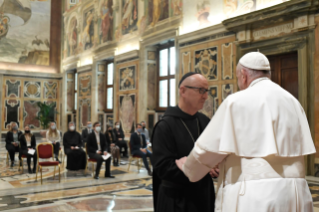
(21, 161)
(138, 158)
(61, 155)
(7, 158)
(45, 151)
(89, 160)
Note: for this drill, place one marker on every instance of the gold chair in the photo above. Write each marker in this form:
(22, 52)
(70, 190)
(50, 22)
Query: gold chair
(45, 151)
(21, 161)
(89, 160)
(139, 159)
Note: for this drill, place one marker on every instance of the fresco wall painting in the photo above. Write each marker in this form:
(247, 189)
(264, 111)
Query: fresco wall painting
(84, 99)
(25, 31)
(203, 13)
(126, 95)
(106, 21)
(129, 16)
(88, 39)
(22, 107)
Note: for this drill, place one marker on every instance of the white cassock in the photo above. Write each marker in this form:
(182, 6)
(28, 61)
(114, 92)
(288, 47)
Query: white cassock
(260, 136)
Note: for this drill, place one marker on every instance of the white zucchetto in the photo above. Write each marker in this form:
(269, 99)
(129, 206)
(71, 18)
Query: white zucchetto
(255, 61)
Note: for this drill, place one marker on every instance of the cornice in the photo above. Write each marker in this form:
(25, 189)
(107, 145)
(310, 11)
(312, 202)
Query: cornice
(272, 15)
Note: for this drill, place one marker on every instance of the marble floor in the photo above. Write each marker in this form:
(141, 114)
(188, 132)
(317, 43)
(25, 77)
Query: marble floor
(130, 191)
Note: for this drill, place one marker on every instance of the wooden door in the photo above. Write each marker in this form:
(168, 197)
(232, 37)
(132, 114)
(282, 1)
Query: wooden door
(284, 71)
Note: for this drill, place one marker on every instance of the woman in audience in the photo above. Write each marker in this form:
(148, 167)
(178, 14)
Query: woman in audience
(72, 143)
(115, 150)
(53, 136)
(119, 136)
(28, 142)
(12, 142)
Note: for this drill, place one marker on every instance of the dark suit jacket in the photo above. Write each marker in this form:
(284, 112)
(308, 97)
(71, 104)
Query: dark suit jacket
(85, 134)
(136, 142)
(23, 142)
(119, 134)
(9, 137)
(91, 144)
(108, 139)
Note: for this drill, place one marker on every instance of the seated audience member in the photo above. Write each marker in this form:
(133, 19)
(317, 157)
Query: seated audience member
(28, 142)
(115, 150)
(139, 147)
(120, 142)
(12, 142)
(53, 136)
(86, 132)
(72, 142)
(145, 132)
(96, 147)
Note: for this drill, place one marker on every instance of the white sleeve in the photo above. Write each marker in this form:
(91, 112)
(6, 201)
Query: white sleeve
(199, 162)
(59, 136)
(47, 136)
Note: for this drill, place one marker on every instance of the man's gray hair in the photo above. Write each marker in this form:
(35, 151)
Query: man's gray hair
(255, 73)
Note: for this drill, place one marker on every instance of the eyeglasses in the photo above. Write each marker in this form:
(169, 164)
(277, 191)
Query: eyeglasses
(201, 90)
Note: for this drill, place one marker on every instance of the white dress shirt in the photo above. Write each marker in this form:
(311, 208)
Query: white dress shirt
(97, 136)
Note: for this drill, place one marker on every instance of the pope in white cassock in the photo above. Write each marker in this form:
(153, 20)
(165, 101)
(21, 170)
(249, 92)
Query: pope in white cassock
(259, 137)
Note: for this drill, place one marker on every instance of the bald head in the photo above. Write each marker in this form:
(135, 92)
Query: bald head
(195, 80)
(193, 93)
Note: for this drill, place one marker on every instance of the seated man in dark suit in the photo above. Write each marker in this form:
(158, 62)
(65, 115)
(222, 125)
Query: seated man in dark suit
(86, 132)
(96, 147)
(138, 147)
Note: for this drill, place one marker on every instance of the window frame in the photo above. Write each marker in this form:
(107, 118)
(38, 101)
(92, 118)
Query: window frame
(168, 77)
(109, 86)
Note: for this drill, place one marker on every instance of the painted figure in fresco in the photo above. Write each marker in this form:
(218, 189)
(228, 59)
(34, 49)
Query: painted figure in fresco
(203, 8)
(3, 25)
(230, 7)
(73, 37)
(156, 11)
(127, 113)
(246, 6)
(177, 7)
(106, 22)
(129, 14)
(88, 32)
(127, 79)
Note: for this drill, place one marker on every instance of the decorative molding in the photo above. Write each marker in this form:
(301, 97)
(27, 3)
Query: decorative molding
(31, 75)
(84, 68)
(209, 38)
(202, 33)
(126, 56)
(271, 15)
(159, 36)
(107, 54)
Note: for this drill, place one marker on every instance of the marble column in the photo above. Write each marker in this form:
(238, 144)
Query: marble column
(94, 93)
(64, 100)
(142, 86)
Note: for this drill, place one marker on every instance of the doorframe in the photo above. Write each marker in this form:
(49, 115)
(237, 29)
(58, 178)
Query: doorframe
(302, 43)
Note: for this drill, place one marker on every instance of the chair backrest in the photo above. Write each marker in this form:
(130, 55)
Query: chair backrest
(86, 149)
(130, 146)
(45, 150)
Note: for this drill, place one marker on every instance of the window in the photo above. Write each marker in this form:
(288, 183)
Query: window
(73, 1)
(109, 86)
(166, 77)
